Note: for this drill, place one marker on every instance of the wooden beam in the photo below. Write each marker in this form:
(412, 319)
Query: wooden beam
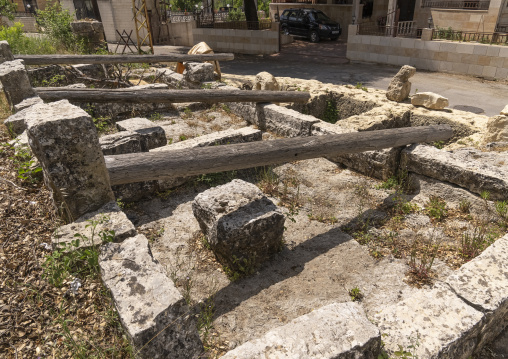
(119, 59)
(147, 166)
(128, 95)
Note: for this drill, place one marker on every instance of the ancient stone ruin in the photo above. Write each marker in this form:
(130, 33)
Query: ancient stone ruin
(303, 244)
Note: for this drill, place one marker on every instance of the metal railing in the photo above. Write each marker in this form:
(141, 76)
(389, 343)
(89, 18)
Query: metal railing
(403, 29)
(464, 5)
(305, 2)
(264, 24)
(495, 38)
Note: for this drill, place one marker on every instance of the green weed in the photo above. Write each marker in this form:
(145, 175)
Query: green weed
(215, 179)
(25, 165)
(355, 294)
(473, 243)
(156, 117)
(436, 208)
(331, 112)
(465, 206)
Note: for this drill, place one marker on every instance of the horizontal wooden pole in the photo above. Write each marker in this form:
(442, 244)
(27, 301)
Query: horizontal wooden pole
(167, 96)
(137, 167)
(120, 59)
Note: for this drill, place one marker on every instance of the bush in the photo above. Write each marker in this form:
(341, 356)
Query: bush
(236, 15)
(22, 44)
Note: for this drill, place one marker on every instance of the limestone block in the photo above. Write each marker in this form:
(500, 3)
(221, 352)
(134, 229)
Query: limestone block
(152, 311)
(444, 326)
(468, 168)
(504, 111)
(121, 143)
(483, 283)
(15, 82)
(64, 140)
(109, 218)
(286, 122)
(16, 123)
(497, 129)
(240, 223)
(152, 136)
(198, 72)
(27, 103)
(334, 331)
(171, 77)
(249, 111)
(5, 52)
(429, 100)
(399, 87)
(265, 81)
(379, 118)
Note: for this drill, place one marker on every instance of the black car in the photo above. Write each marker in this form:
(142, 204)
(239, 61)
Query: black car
(310, 23)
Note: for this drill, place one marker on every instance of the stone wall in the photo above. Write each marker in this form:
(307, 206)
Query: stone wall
(489, 61)
(28, 22)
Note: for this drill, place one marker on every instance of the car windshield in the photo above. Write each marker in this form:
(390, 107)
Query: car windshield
(318, 15)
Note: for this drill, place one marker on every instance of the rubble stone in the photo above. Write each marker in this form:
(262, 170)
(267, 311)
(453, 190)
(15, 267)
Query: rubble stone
(5, 52)
(482, 283)
(265, 81)
(152, 136)
(504, 111)
(198, 72)
(429, 100)
(334, 331)
(16, 123)
(497, 129)
(468, 168)
(121, 143)
(64, 140)
(152, 311)
(108, 218)
(444, 326)
(15, 82)
(27, 103)
(400, 87)
(242, 226)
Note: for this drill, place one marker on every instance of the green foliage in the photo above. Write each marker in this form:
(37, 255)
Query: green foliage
(438, 144)
(474, 242)
(205, 320)
(55, 81)
(185, 5)
(25, 165)
(464, 206)
(436, 208)
(7, 9)
(70, 260)
(218, 178)
(422, 255)
(331, 112)
(22, 44)
(390, 183)
(102, 124)
(182, 137)
(156, 117)
(502, 212)
(360, 86)
(355, 294)
(242, 268)
(236, 15)
(226, 109)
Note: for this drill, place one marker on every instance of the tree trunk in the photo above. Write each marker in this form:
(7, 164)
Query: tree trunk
(251, 14)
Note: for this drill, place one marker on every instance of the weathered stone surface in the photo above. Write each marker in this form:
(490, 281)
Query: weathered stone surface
(285, 122)
(75, 86)
(240, 223)
(5, 52)
(334, 331)
(27, 103)
(468, 168)
(444, 325)
(15, 82)
(429, 100)
(399, 87)
(265, 81)
(20, 141)
(379, 118)
(172, 78)
(483, 283)
(504, 111)
(109, 218)
(497, 129)
(16, 123)
(152, 311)
(152, 136)
(64, 140)
(198, 72)
(381, 164)
(121, 143)
(250, 112)
(131, 192)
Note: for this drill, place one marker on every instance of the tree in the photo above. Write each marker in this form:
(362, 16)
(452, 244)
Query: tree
(251, 14)
(7, 9)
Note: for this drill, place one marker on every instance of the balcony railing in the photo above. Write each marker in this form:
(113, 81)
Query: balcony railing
(465, 36)
(463, 5)
(403, 29)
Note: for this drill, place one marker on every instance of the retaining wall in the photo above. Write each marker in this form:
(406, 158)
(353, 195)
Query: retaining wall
(489, 61)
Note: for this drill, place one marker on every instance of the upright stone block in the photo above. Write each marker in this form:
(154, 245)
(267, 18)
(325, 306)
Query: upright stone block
(64, 140)
(331, 332)
(240, 223)
(15, 82)
(152, 311)
(5, 52)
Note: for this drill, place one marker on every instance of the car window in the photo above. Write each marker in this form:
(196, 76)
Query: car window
(293, 15)
(318, 15)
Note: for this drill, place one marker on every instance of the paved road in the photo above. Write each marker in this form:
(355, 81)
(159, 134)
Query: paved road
(326, 62)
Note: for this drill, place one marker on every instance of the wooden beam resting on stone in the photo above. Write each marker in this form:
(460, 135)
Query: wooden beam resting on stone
(147, 166)
(167, 96)
(119, 59)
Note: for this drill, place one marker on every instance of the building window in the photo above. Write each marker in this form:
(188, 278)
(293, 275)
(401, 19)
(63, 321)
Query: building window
(84, 9)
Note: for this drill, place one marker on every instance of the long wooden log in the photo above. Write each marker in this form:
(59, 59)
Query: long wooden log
(167, 96)
(119, 59)
(146, 166)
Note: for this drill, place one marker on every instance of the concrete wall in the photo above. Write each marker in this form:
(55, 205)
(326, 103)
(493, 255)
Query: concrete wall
(340, 13)
(239, 41)
(181, 33)
(28, 23)
(489, 61)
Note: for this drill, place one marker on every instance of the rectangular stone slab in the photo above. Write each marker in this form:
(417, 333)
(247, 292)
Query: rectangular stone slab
(152, 311)
(334, 331)
(468, 168)
(152, 136)
(286, 122)
(112, 219)
(121, 143)
(443, 325)
(483, 282)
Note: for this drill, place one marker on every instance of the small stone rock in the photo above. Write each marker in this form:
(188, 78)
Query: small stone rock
(16, 123)
(242, 226)
(15, 82)
(429, 100)
(198, 72)
(27, 103)
(400, 87)
(265, 81)
(121, 143)
(334, 331)
(497, 129)
(152, 136)
(504, 111)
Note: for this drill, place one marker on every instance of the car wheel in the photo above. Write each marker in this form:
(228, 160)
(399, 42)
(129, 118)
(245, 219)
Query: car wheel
(314, 37)
(285, 30)
(334, 38)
